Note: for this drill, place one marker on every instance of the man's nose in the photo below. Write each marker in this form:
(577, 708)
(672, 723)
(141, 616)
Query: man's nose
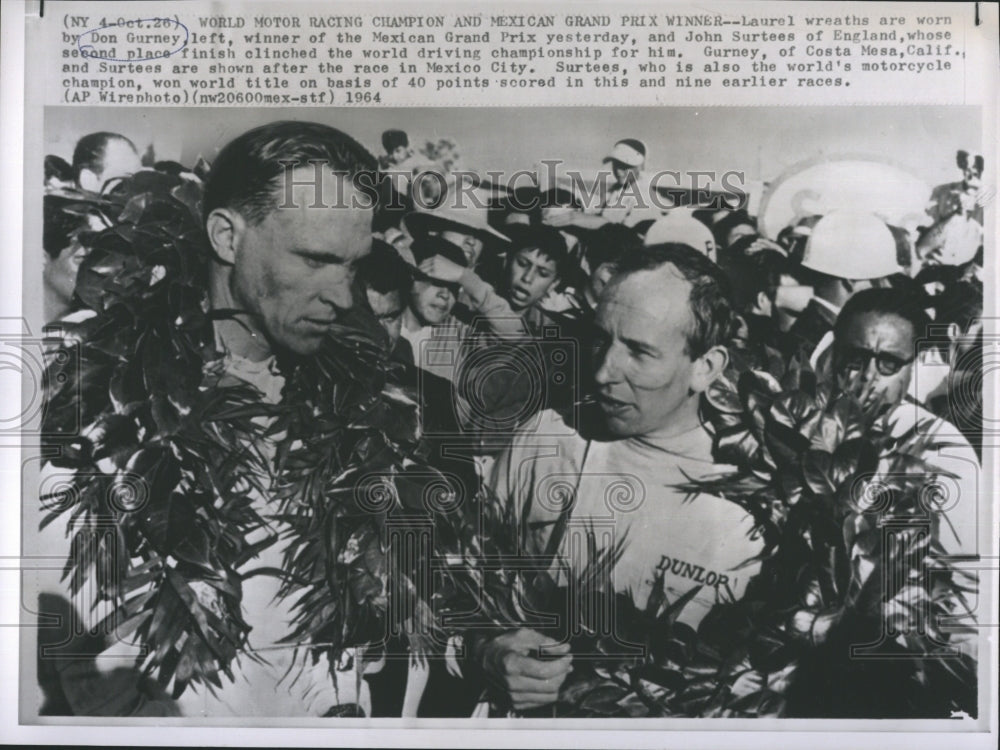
(608, 367)
(870, 372)
(338, 294)
(528, 276)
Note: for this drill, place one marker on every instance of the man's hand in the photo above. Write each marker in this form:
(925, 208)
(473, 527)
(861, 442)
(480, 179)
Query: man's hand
(441, 269)
(559, 216)
(511, 663)
(762, 243)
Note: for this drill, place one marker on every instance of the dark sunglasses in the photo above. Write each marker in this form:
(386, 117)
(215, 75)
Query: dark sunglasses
(857, 358)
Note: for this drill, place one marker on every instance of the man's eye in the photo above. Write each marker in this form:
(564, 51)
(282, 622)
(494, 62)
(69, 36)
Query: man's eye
(600, 343)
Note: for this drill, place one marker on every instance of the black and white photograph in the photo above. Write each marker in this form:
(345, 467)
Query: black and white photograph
(527, 417)
(445, 413)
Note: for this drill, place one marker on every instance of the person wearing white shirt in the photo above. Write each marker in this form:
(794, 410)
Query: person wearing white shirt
(630, 199)
(662, 323)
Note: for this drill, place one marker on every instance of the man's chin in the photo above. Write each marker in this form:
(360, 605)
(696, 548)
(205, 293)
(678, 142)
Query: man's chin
(436, 320)
(618, 425)
(304, 344)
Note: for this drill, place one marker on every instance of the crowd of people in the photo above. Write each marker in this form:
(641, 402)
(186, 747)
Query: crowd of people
(546, 334)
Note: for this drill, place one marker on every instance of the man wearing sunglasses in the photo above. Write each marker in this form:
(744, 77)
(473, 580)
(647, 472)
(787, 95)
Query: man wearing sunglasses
(875, 342)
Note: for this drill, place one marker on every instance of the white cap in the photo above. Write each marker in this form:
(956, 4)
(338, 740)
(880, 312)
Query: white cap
(630, 151)
(851, 244)
(680, 227)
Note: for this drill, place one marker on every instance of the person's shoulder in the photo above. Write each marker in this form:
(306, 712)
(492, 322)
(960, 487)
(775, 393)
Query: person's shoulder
(543, 447)
(810, 326)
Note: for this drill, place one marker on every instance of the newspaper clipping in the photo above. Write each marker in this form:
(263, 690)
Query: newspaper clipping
(423, 373)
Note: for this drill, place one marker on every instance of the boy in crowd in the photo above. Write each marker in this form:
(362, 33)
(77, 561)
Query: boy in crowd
(536, 264)
(428, 324)
(754, 281)
(397, 163)
(462, 220)
(495, 388)
(386, 280)
(604, 249)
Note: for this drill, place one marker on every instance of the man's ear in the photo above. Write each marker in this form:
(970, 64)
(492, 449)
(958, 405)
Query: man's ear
(764, 304)
(708, 367)
(89, 180)
(225, 229)
(604, 272)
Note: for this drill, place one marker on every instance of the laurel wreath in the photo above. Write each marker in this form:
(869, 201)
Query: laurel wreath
(163, 462)
(163, 458)
(822, 477)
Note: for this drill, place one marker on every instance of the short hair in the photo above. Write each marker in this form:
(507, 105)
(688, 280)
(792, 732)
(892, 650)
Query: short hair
(174, 168)
(384, 271)
(962, 159)
(548, 241)
(609, 244)
(751, 274)
(731, 220)
(58, 168)
(393, 139)
(246, 175)
(713, 319)
(91, 149)
(905, 302)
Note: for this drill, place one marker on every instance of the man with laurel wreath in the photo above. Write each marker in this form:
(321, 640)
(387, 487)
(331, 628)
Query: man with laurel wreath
(663, 323)
(212, 380)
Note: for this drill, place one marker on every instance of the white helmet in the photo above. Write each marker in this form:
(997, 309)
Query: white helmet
(680, 227)
(851, 244)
